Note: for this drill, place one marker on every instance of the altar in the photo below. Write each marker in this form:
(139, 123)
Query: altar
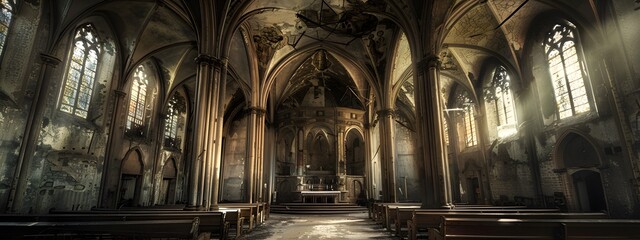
(320, 196)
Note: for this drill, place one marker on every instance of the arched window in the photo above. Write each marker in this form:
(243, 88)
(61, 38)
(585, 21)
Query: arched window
(175, 108)
(498, 96)
(6, 14)
(171, 126)
(469, 119)
(81, 73)
(566, 70)
(135, 119)
(445, 131)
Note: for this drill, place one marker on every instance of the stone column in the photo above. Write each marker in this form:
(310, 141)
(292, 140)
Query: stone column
(201, 127)
(430, 133)
(340, 151)
(387, 155)
(260, 126)
(252, 164)
(300, 153)
(31, 134)
(221, 74)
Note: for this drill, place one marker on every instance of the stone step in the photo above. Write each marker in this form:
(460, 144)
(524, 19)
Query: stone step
(317, 208)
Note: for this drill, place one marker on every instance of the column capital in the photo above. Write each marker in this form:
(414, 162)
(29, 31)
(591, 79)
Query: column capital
(119, 93)
(205, 59)
(257, 110)
(431, 61)
(49, 59)
(386, 112)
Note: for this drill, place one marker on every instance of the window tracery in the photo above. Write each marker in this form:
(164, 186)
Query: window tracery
(81, 72)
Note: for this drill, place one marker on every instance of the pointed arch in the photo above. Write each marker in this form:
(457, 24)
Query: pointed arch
(81, 72)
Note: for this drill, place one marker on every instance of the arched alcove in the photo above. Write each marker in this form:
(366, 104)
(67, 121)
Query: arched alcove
(321, 154)
(588, 190)
(285, 154)
(354, 151)
(168, 185)
(575, 151)
(131, 179)
(579, 159)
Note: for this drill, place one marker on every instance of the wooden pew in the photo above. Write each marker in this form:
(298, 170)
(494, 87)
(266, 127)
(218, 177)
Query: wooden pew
(601, 229)
(495, 228)
(518, 228)
(210, 221)
(83, 229)
(233, 216)
(234, 219)
(423, 221)
(404, 213)
(391, 214)
(381, 209)
(146, 225)
(249, 212)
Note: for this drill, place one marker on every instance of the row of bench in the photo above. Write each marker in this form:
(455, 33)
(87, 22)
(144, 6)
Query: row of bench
(148, 222)
(495, 222)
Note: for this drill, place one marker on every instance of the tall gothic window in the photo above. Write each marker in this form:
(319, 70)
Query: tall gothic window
(566, 70)
(81, 74)
(175, 107)
(6, 14)
(445, 131)
(135, 118)
(499, 97)
(469, 120)
(470, 126)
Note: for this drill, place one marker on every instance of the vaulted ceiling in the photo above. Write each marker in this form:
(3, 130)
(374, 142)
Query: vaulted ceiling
(271, 42)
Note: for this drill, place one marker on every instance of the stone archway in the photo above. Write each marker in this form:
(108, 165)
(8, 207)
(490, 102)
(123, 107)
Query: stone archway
(130, 179)
(354, 151)
(168, 184)
(579, 160)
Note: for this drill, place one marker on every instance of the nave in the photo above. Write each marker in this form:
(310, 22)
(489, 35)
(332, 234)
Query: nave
(319, 226)
(123, 117)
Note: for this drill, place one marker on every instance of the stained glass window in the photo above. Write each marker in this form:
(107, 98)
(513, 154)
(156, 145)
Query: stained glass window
(171, 125)
(81, 74)
(6, 14)
(135, 119)
(499, 97)
(445, 131)
(469, 119)
(566, 70)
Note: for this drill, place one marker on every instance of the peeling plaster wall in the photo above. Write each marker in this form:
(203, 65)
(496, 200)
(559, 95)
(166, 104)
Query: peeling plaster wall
(19, 74)
(407, 168)
(235, 153)
(509, 172)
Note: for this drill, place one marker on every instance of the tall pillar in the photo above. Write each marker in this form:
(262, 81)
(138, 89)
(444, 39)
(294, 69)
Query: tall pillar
(340, 151)
(31, 134)
(259, 171)
(387, 155)
(252, 164)
(300, 153)
(221, 74)
(201, 127)
(430, 133)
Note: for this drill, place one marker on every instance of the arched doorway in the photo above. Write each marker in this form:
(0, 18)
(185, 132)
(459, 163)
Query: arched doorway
(580, 158)
(589, 192)
(130, 179)
(168, 185)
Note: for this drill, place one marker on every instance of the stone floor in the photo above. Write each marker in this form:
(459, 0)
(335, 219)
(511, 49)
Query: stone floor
(335, 226)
